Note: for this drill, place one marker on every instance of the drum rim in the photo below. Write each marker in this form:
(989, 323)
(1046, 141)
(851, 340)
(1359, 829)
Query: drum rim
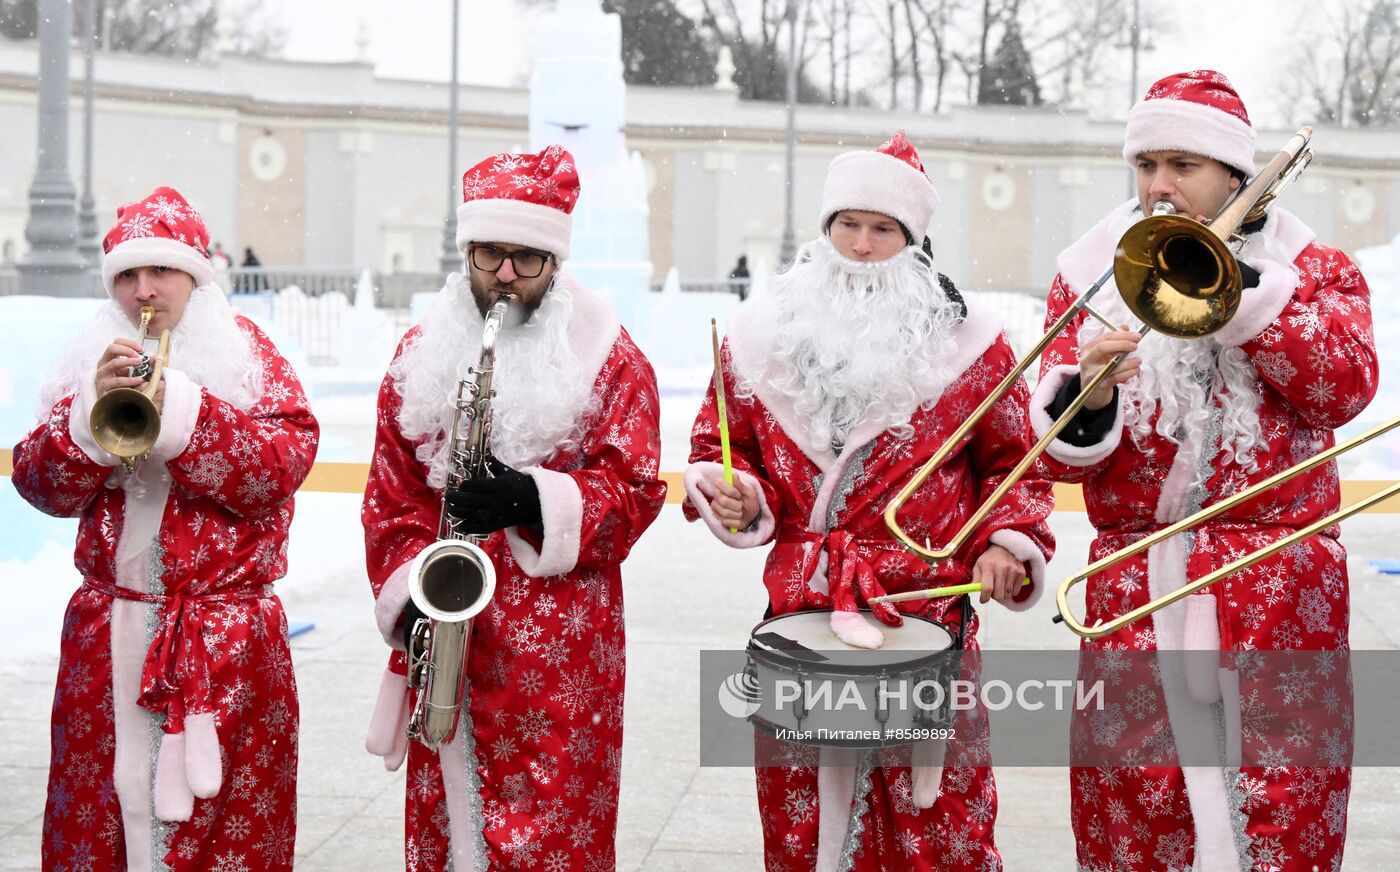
(779, 660)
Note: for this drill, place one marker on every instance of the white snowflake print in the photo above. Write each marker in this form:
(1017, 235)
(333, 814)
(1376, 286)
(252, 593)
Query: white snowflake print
(533, 725)
(508, 163)
(908, 843)
(167, 211)
(531, 682)
(1321, 392)
(230, 862)
(1108, 725)
(138, 226)
(259, 489)
(800, 806)
(518, 793)
(521, 848)
(1171, 850)
(581, 833)
(210, 470)
(1314, 610)
(1335, 814)
(1275, 366)
(576, 691)
(474, 187)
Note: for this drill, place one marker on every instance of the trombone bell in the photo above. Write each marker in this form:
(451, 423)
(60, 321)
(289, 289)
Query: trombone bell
(1177, 276)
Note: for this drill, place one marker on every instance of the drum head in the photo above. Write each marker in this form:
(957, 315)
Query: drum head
(794, 639)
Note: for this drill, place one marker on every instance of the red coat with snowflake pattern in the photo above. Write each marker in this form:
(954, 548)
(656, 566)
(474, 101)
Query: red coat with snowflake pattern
(531, 779)
(817, 502)
(175, 716)
(1306, 329)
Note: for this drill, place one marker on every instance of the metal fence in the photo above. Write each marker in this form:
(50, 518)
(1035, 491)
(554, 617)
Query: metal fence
(314, 314)
(312, 305)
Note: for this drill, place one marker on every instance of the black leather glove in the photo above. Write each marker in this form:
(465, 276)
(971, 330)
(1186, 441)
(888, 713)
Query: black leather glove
(485, 505)
(1249, 276)
(411, 616)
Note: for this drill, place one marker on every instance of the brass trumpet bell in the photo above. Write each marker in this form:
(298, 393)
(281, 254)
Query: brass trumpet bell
(125, 423)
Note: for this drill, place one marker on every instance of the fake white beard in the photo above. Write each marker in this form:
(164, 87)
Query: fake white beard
(542, 398)
(1172, 384)
(207, 345)
(855, 343)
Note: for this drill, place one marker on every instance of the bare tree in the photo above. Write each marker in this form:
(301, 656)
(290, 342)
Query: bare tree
(759, 58)
(187, 29)
(937, 18)
(1075, 41)
(1347, 69)
(1375, 87)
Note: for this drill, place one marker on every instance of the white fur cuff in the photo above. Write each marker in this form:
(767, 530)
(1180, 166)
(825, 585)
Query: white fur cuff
(389, 606)
(1260, 306)
(1023, 549)
(80, 425)
(561, 512)
(699, 489)
(1041, 422)
(178, 417)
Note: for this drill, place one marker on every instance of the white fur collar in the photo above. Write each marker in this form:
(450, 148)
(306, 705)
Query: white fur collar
(750, 349)
(593, 328)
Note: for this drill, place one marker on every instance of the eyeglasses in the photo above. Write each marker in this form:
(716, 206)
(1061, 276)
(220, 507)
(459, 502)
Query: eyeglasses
(526, 263)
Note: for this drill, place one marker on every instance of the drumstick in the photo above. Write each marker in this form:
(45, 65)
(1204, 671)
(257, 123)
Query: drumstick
(723, 416)
(954, 590)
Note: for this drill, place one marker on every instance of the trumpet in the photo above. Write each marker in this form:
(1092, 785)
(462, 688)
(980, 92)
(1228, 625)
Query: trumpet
(125, 421)
(1178, 276)
(453, 579)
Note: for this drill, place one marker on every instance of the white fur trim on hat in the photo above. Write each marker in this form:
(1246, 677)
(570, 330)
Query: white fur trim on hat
(871, 181)
(514, 222)
(156, 251)
(1181, 125)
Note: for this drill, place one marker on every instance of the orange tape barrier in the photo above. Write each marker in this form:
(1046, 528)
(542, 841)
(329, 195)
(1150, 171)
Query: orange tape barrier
(349, 478)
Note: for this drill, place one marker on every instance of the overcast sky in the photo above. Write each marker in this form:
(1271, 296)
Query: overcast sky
(1248, 40)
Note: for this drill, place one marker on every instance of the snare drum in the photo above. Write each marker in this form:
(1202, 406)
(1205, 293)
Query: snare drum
(814, 689)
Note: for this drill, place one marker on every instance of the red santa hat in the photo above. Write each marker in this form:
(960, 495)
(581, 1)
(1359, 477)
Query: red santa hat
(890, 180)
(161, 230)
(1198, 112)
(520, 199)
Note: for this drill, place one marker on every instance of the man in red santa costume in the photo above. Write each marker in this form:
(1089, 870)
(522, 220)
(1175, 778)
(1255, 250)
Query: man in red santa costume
(1181, 425)
(175, 715)
(841, 381)
(530, 779)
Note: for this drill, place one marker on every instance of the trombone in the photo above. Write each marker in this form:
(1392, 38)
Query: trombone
(1100, 630)
(1178, 276)
(125, 421)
